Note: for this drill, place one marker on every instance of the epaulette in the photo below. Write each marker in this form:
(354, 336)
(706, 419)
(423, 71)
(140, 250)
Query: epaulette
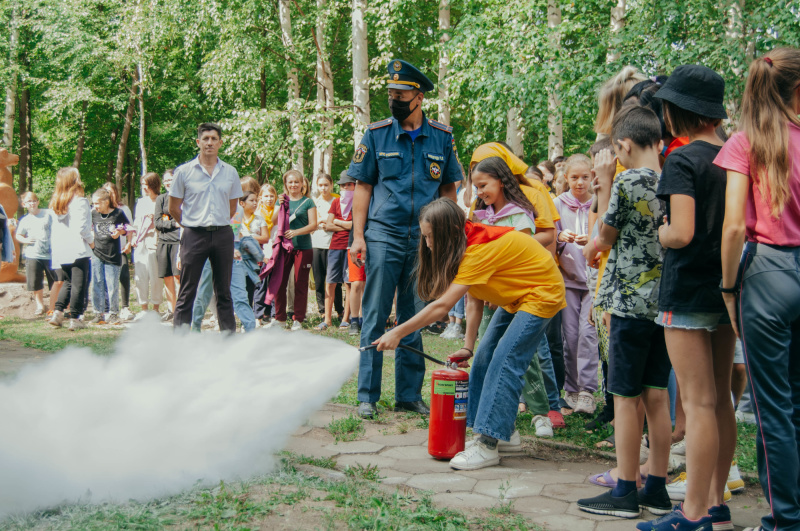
(378, 125)
(439, 125)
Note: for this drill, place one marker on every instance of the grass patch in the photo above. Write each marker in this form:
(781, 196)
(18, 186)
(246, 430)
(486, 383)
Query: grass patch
(39, 335)
(346, 429)
(369, 472)
(291, 458)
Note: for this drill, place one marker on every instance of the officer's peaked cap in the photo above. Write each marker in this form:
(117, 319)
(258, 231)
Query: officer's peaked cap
(405, 76)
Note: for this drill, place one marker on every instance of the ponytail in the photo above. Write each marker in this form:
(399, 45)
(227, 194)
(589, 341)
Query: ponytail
(767, 110)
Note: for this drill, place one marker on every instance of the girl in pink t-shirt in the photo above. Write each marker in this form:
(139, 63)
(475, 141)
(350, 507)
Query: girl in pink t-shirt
(761, 287)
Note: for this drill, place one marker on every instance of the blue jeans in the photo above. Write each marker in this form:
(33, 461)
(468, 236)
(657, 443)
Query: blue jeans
(769, 323)
(105, 280)
(500, 362)
(241, 305)
(458, 309)
(548, 374)
(390, 267)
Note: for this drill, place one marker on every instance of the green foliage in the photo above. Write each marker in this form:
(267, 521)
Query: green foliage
(369, 472)
(226, 61)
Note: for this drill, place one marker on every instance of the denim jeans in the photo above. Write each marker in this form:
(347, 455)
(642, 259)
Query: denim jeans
(458, 309)
(390, 268)
(241, 305)
(496, 380)
(105, 280)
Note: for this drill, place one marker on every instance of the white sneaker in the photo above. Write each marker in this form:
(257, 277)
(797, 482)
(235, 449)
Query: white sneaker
(476, 456)
(585, 403)
(448, 332)
(76, 324)
(514, 444)
(276, 324)
(677, 488)
(735, 481)
(458, 333)
(679, 448)
(544, 426)
(571, 399)
(126, 314)
(57, 319)
(746, 418)
(296, 325)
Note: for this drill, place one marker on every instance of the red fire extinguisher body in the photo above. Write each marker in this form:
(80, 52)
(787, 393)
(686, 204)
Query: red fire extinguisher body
(448, 419)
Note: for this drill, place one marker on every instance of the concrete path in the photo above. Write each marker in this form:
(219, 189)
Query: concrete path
(544, 491)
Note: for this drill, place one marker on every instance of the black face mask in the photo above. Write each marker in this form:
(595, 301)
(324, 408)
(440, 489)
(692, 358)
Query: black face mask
(401, 109)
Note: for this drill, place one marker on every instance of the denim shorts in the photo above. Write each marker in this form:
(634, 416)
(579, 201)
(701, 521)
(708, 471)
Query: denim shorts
(337, 266)
(693, 320)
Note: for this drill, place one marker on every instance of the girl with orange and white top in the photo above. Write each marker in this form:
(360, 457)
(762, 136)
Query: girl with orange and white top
(504, 267)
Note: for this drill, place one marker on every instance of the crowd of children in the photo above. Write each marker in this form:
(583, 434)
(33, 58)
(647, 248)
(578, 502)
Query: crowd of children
(644, 261)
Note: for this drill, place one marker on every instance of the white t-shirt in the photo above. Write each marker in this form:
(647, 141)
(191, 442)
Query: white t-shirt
(145, 206)
(321, 239)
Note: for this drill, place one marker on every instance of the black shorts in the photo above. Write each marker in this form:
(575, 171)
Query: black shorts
(637, 356)
(167, 259)
(36, 269)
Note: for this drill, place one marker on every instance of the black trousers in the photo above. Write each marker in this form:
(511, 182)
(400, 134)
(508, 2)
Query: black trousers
(197, 246)
(319, 266)
(125, 282)
(75, 288)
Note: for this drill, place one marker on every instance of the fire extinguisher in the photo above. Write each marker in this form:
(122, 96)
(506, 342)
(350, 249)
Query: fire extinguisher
(448, 420)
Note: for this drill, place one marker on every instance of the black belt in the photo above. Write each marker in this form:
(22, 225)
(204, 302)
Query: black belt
(212, 228)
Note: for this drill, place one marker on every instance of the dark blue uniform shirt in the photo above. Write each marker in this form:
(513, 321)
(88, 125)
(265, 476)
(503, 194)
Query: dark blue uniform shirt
(405, 175)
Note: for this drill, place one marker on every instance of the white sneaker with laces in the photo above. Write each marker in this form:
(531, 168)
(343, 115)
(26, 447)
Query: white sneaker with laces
(585, 403)
(679, 448)
(677, 488)
(571, 399)
(544, 426)
(448, 332)
(476, 456)
(276, 324)
(458, 333)
(126, 314)
(296, 325)
(514, 444)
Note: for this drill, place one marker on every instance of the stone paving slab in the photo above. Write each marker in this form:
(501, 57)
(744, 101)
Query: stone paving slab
(509, 488)
(442, 482)
(543, 491)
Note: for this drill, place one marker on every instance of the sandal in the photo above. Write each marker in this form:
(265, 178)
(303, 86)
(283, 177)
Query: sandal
(321, 326)
(344, 325)
(608, 481)
(608, 442)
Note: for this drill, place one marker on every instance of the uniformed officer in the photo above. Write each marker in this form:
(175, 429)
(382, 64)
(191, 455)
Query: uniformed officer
(402, 164)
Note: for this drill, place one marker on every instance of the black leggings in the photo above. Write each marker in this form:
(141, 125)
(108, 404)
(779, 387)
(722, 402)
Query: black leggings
(76, 286)
(125, 281)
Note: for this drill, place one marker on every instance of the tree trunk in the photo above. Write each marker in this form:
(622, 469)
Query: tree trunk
(514, 131)
(139, 79)
(123, 141)
(110, 165)
(323, 144)
(11, 88)
(735, 32)
(360, 71)
(444, 61)
(555, 138)
(30, 142)
(24, 146)
(617, 25)
(294, 86)
(76, 162)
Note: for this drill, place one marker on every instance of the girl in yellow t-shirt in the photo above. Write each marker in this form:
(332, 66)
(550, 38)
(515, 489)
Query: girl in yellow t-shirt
(506, 268)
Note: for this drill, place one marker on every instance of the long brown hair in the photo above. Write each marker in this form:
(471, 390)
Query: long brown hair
(497, 168)
(611, 95)
(766, 113)
(437, 268)
(113, 193)
(68, 185)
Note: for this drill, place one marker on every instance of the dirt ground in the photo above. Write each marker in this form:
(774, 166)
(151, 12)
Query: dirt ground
(16, 301)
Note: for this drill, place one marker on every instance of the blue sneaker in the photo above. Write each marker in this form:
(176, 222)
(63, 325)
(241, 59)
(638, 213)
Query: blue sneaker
(721, 517)
(677, 521)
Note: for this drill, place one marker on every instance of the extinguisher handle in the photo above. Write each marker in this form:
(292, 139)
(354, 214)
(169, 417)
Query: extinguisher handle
(412, 349)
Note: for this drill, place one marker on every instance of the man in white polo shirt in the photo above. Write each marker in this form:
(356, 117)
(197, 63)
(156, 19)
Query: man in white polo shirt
(203, 199)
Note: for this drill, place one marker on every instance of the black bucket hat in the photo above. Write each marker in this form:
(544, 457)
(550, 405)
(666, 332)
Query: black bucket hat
(697, 89)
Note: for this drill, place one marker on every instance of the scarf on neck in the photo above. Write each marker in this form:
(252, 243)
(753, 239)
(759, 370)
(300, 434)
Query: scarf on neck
(490, 217)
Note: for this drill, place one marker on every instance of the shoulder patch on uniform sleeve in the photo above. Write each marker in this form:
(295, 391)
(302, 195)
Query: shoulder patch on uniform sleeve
(378, 125)
(439, 125)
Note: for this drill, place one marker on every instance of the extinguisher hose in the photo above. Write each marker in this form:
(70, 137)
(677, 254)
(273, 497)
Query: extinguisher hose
(412, 349)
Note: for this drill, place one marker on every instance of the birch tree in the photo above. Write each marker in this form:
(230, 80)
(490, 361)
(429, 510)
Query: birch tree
(293, 104)
(555, 139)
(323, 144)
(444, 28)
(11, 87)
(360, 72)
(616, 27)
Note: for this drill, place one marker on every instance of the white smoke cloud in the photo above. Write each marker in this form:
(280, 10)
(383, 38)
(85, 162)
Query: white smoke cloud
(160, 414)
